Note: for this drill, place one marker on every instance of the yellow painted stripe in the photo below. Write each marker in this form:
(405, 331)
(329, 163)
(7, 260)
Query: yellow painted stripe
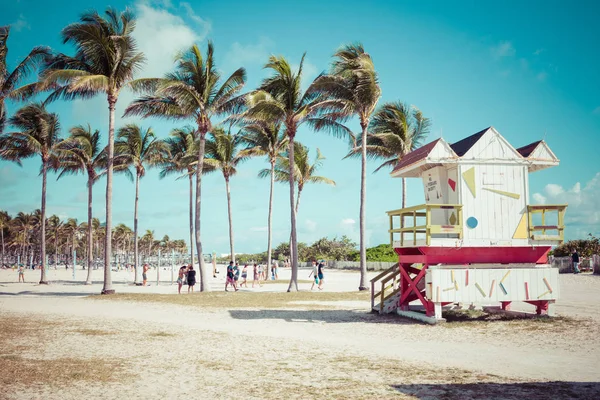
(502, 192)
(505, 276)
(480, 289)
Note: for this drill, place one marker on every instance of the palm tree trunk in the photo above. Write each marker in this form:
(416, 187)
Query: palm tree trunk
(43, 279)
(298, 200)
(363, 198)
(269, 223)
(107, 288)
(204, 287)
(191, 177)
(293, 287)
(230, 219)
(136, 267)
(88, 280)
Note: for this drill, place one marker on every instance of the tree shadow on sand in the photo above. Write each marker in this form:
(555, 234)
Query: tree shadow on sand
(320, 316)
(504, 391)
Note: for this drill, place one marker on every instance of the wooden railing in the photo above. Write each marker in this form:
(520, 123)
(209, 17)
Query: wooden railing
(557, 231)
(420, 226)
(392, 274)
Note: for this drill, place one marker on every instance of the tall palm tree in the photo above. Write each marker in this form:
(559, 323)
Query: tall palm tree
(105, 61)
(283, 102)
(395, 130)
(38, 134)
(354, 82)
(304, 170)
(10, 80)
(223, 153)
(183, 156)
(138, 148)
(192, 92)
(265, 139)
(4, 224)
(82, 153)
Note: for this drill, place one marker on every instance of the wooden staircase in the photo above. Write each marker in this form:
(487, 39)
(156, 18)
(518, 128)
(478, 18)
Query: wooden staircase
(388, 285)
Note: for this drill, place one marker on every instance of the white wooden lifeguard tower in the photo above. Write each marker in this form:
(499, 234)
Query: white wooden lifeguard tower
(476, 240)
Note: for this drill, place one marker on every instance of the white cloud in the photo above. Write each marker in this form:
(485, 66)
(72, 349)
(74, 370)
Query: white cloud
(258, 229)
(161, 34)
(596, 110)
(583, 213)
(537, 52)
(20, 24)
(348, 221)
(311, 226)
(503, 49)
(542, 76)
(249, 54)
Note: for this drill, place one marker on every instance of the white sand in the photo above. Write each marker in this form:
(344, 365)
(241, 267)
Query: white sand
(266, 336)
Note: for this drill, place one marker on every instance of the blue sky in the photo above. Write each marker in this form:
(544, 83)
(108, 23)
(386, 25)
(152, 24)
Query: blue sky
(530, 69)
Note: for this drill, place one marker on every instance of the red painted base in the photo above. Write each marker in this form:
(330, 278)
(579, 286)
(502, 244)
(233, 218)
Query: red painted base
(541, 306)
(471, 255)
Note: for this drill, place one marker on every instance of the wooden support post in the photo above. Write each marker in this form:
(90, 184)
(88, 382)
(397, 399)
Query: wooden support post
(437, 310)
(372, 295)
(529, 223)
(415, 227)
(427, 224)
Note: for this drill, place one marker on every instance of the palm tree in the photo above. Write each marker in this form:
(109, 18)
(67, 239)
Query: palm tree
(82, 153)
(4, 223)
(304, 170)
(193, 92)
(105, 61)
(265, 139)
(395, 130)
(355, 84)
(223, 153)
(38, 135)
(148, 239)
(70, 230)
(55, 225)
(183, 156)
(284, 103)
(9, 81)
(23, 224)
(138, 148)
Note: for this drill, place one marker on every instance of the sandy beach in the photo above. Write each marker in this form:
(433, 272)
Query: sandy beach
(63, 341)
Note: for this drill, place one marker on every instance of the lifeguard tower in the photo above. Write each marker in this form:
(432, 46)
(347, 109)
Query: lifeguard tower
(476, 240)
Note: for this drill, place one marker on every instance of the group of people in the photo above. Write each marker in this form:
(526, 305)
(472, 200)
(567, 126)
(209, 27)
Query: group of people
(317, 274)
(258, 273)
(188, 273)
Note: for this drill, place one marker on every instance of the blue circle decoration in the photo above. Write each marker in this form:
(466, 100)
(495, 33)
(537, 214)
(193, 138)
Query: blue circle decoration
(472, 222)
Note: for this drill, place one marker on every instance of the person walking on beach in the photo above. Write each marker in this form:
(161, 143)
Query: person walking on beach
(315, 274)
(274, 270)
(256, 276)
(230, 277)
(191, 278)
(236, 273)
(145, 274)
(575, 258)
(244, 276)
(261, 273)
(180, 277)
(320, 274)
(21, 273)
